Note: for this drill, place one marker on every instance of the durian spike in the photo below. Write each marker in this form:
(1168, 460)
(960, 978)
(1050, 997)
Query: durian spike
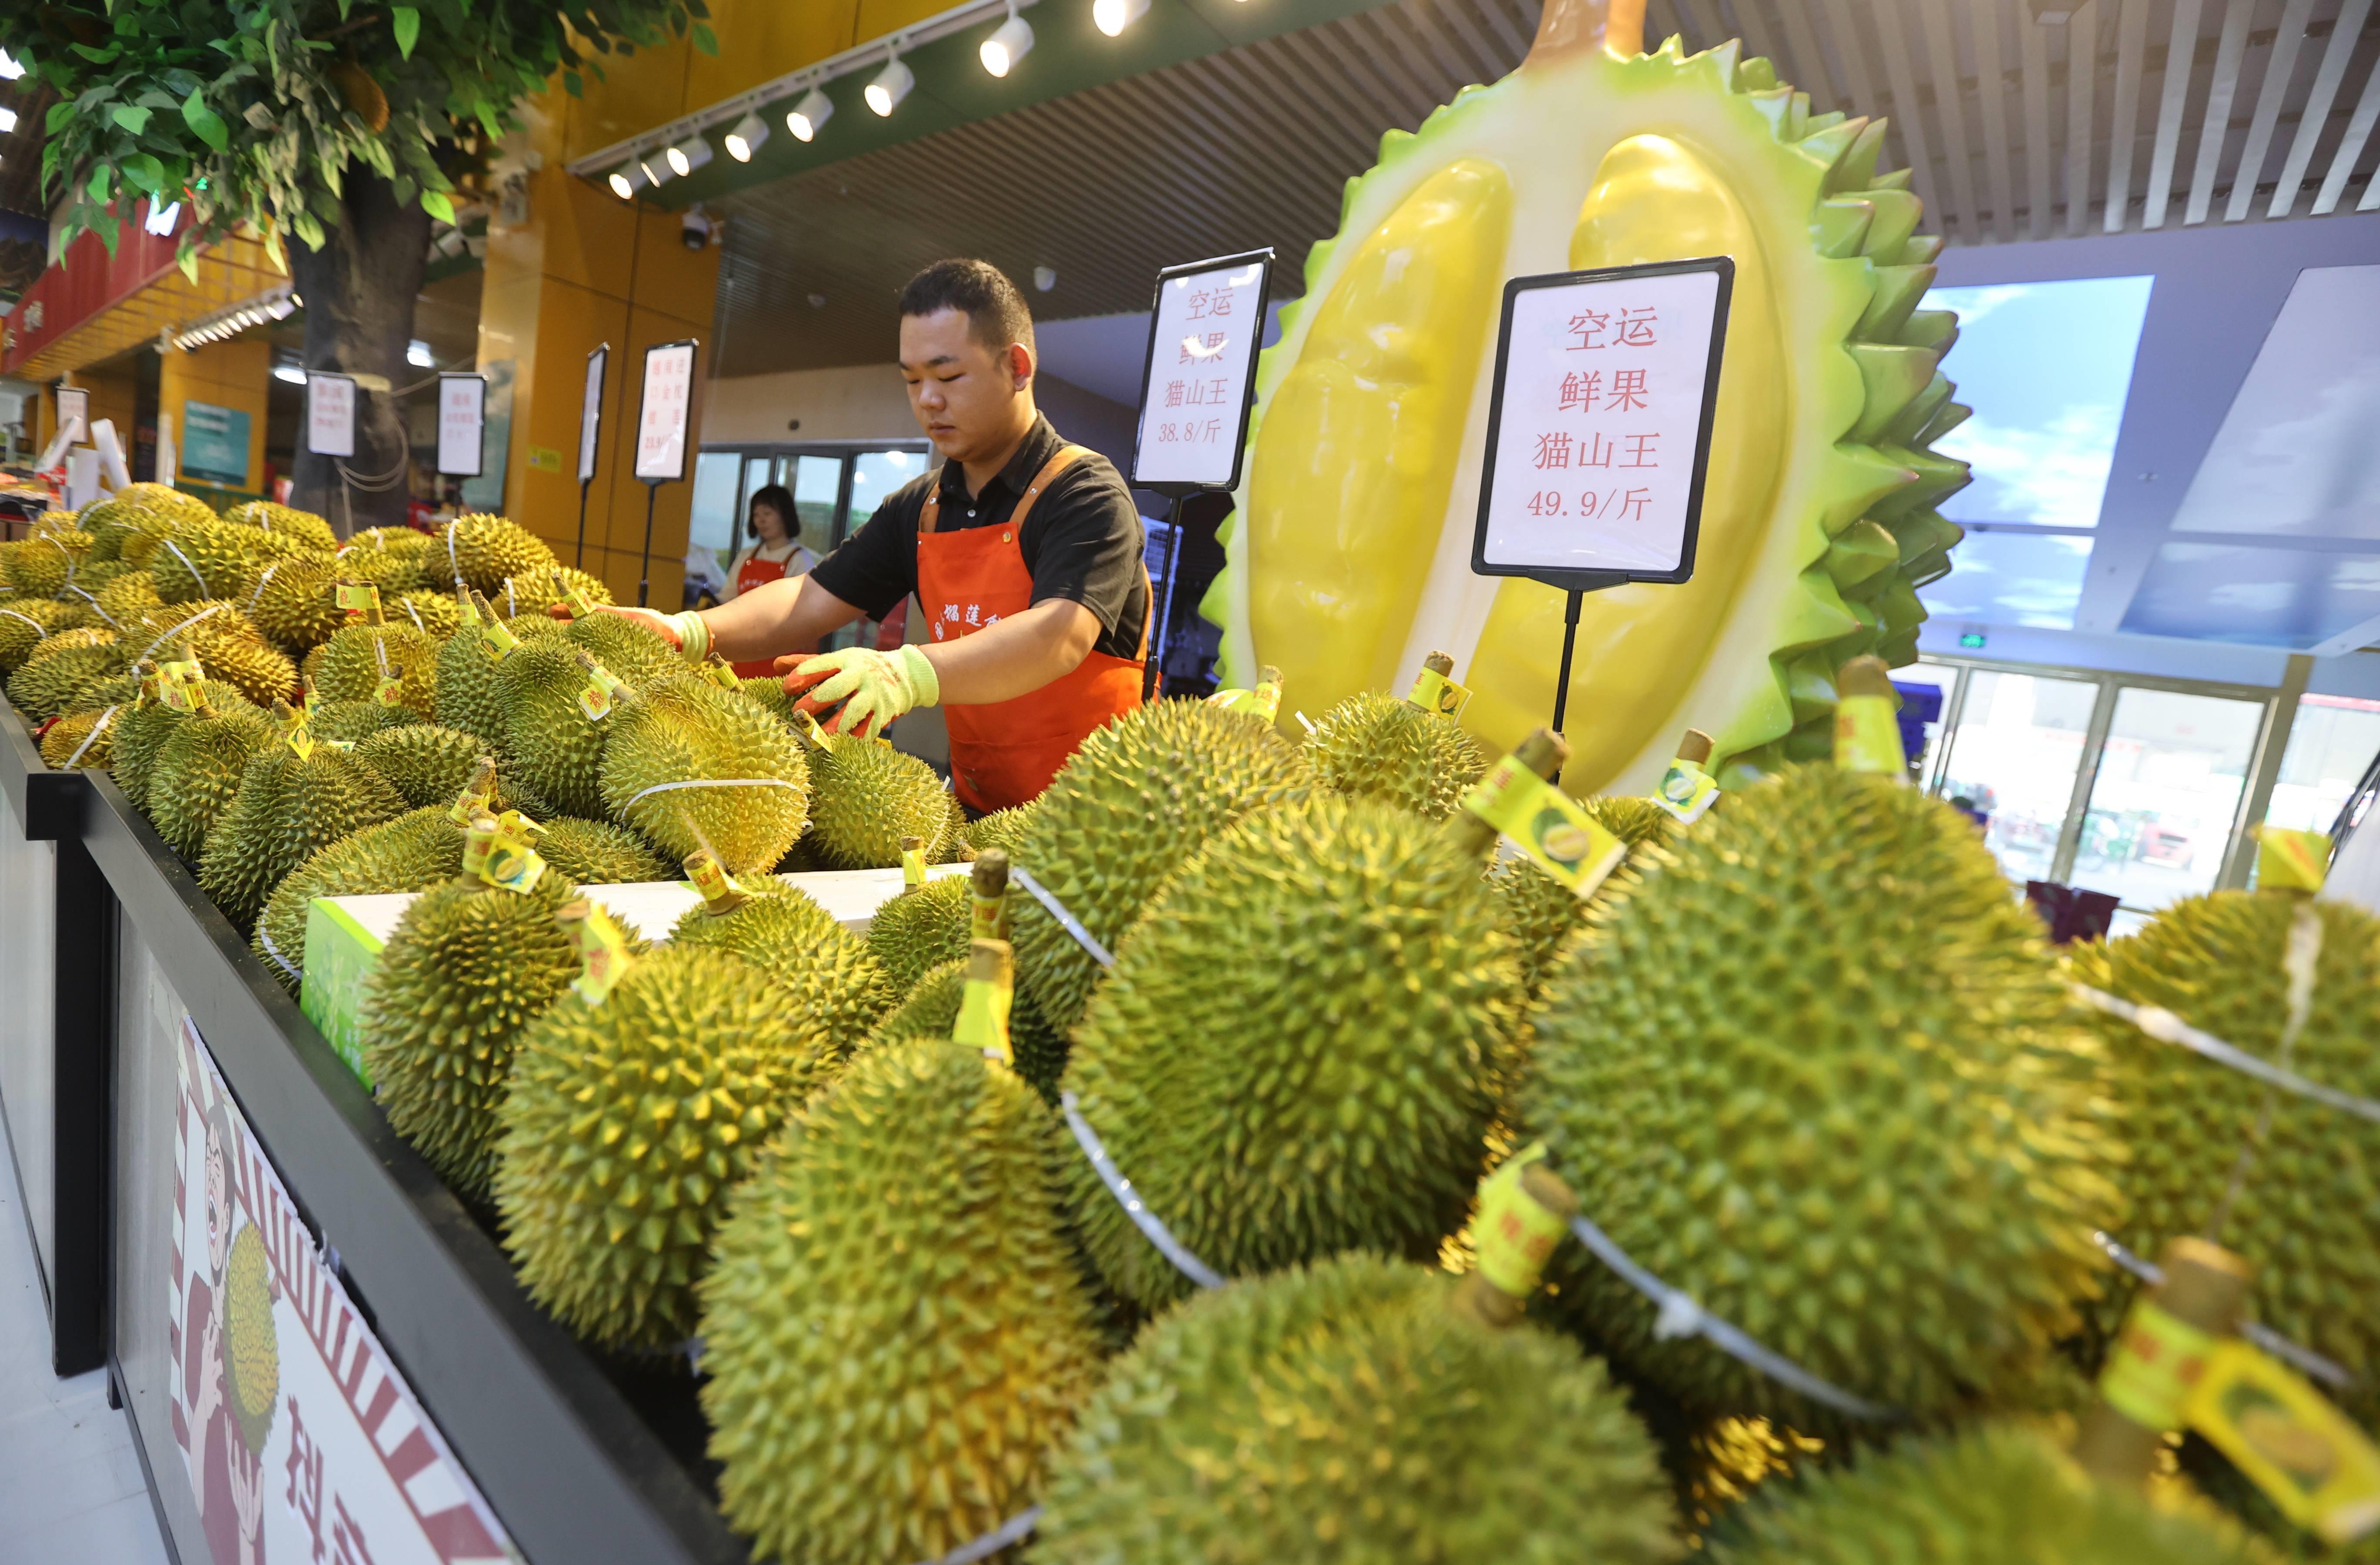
(2205, 1287)
(1481, 1300)
(1865, 675)
(987, 918)
(1696, 748)
(1542, 752)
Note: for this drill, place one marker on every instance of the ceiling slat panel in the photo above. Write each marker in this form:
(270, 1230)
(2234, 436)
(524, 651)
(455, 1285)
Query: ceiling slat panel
(1751, 26)
(2123, 123)
(1907, 118)
(1850, 47)
(2182, 49)
(1811, 70)
(2082, 74)
(2033, 46)
(1942, 57)
(2213, 127)
(2350, 147)
(2280, 64)
(1991, 79)
(2346, 31)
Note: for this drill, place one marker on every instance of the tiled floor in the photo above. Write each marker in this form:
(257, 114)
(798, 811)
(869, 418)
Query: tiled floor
(70, 1489)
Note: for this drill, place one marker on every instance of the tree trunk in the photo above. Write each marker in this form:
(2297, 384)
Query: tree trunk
(358, 291)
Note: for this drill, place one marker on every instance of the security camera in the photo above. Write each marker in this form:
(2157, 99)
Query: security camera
(693, 229)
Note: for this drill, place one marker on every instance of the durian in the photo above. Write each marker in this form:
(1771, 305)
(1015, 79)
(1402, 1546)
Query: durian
(2306, 1211)
(486, 549)
(411, 853)
(680, 728)
(143, 732)
(293, 606)
(865, 797)
(1002, 829)
(823, 969)
(1300, 1050)
(25, 623)
(1385, 748)
(41, 566)
(768, 692)
(358, 657)
(83, 738)
(301, 527)
(921, 929)
(287, 808)
(625, 1124)
(249, 1348)
(539, 590)
(470, 967)
(1817, 518)
(354, 721)
(424, 763)
(1814, 1067)
(1541, 913)
(1987, 1495)
(432, 613)
(895, 1332)
(52, 681)
(557, 747)
(595, 852)
(1346, 1411)
(198, 772)
(203, 561)
(1140, 796)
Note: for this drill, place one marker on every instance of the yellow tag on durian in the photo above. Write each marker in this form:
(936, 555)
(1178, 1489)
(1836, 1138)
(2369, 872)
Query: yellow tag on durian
(1434, 692)
(1546, 824)
(2317, 1468)
(604, 954)
(1686, 791)
(2290, 861)
(1513, 1234)
(1867, 736)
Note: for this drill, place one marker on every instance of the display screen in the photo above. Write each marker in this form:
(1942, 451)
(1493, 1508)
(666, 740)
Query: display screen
(1204, 333)
(1605, 383)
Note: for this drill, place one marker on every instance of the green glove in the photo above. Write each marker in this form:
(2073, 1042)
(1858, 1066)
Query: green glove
(872, 687)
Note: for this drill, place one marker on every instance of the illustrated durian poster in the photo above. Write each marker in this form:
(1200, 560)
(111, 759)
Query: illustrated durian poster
(1349, 548)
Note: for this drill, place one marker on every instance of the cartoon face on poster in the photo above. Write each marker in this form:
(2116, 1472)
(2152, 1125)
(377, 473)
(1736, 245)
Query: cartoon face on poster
(301, 1444)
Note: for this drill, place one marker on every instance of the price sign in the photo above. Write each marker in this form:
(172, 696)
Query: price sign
(462, 424)
(1205, 328)
(591, 412)
(330, 415)
(74, 414)
(662, 416)
(1598, 432)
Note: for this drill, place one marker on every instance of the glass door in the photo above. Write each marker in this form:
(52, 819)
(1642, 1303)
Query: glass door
(2013, 757)
(2165, 794)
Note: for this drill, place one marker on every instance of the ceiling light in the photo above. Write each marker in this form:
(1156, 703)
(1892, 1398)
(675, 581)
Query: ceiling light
(814, 109)
(1045, 278)
(280, 309)
(417, 352)
(893, 84)
(656, 168)
(627, 179)
(1010, 42)
(8, 121)
(289, 372)
(1114, 16)
(689, 155)
(9, 69)
(745, 139)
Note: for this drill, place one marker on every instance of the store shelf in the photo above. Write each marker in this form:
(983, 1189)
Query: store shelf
(579, 1462)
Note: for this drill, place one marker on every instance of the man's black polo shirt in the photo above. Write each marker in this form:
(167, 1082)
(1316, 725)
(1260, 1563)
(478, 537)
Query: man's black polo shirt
(1082, 541)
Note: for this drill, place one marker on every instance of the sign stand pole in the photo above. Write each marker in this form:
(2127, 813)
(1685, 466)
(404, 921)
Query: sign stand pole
(590, 432)
(644, 563)
(1152, 675)
(578, 554)
(1577, 584)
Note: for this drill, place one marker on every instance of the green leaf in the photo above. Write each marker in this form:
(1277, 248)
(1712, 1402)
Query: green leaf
(134, 120)
(573, 84)
(59, 117)
(142, 173)
(96, 56)
(186, 256)
(435, 203)
(406, 22)
(704, 39)
(204, 123)
(100, 176)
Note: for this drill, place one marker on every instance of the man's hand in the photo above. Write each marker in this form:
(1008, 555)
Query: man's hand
(686, 632)
(873, 687)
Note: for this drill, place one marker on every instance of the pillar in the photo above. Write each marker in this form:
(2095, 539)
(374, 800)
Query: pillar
(232, 376)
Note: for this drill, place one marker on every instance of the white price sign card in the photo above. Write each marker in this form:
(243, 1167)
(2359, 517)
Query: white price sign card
(590, 411)
(1206, 327)
(663, 414)
(1599, 432)
(462, 424)
(74, 414)
(330, 415)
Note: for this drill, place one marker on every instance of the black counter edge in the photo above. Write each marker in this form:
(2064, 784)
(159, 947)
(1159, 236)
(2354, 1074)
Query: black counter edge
(533, 1420)
(49, 805)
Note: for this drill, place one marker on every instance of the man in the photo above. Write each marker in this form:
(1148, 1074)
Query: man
(1025, 552)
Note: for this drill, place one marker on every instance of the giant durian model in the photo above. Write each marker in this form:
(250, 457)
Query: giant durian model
(1371, 412)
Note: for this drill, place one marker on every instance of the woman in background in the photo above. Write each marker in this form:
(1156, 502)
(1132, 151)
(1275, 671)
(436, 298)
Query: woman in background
(774, 551)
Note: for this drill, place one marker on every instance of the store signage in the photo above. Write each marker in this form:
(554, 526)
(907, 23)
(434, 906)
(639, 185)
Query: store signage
(663, 415)
(74, 414)
(330, 415)
(462, 424)
(1598, 430)
(214, 443)
(1206, 326)
(300, 1440)
(591, 412)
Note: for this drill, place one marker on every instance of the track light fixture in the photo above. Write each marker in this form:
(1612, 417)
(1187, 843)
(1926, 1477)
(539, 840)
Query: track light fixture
(814, 109)
(689, 155)
(1009, 42)
(891, 85)
(1113, 16)
(627, 179)
(745, 139)
(657, 169)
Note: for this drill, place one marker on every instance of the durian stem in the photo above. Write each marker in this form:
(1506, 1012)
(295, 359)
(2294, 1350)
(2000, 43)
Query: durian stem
(1542, 752)
(1617, 25)
(2205, 1287)
(1696, 748)
(1439, 665)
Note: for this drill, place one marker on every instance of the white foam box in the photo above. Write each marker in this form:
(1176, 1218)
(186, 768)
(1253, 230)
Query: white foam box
(346, 935)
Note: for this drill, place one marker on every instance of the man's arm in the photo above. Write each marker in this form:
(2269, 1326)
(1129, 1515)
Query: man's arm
(790, 611)
(1016, 656)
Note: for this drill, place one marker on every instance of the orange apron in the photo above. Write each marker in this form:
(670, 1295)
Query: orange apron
(1004, 753)
(757, 572)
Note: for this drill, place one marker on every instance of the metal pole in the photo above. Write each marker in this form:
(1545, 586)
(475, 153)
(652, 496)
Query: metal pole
(579, 555)
(1570, 644)
(1152, 675)
(645, 564)
(2272, 747)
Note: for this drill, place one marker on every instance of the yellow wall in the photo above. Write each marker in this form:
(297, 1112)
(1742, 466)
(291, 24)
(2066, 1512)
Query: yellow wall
(233, 374)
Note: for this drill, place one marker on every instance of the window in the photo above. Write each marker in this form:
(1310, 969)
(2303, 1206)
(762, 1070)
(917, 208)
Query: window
(712, 525)
(817, 483)
(2165, 795)
(2014, 759)
(2333, 742)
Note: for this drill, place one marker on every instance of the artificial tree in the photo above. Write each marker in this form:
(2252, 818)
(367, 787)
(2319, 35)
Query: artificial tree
(345, 125)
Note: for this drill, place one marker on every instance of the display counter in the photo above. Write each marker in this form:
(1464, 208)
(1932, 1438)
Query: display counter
(579, 1460)
(56, 916)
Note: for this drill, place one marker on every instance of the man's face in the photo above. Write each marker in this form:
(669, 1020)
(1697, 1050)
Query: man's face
(964, 393)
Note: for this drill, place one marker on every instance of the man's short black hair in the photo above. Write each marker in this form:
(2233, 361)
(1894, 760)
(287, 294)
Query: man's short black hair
(995, 311)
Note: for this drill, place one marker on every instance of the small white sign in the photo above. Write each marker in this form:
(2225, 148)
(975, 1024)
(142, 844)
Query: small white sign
(462, 424)
(1194, 399)
(591, 412)
(330, 415)
(74, 415)
(1604, 390)
(662, 416)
